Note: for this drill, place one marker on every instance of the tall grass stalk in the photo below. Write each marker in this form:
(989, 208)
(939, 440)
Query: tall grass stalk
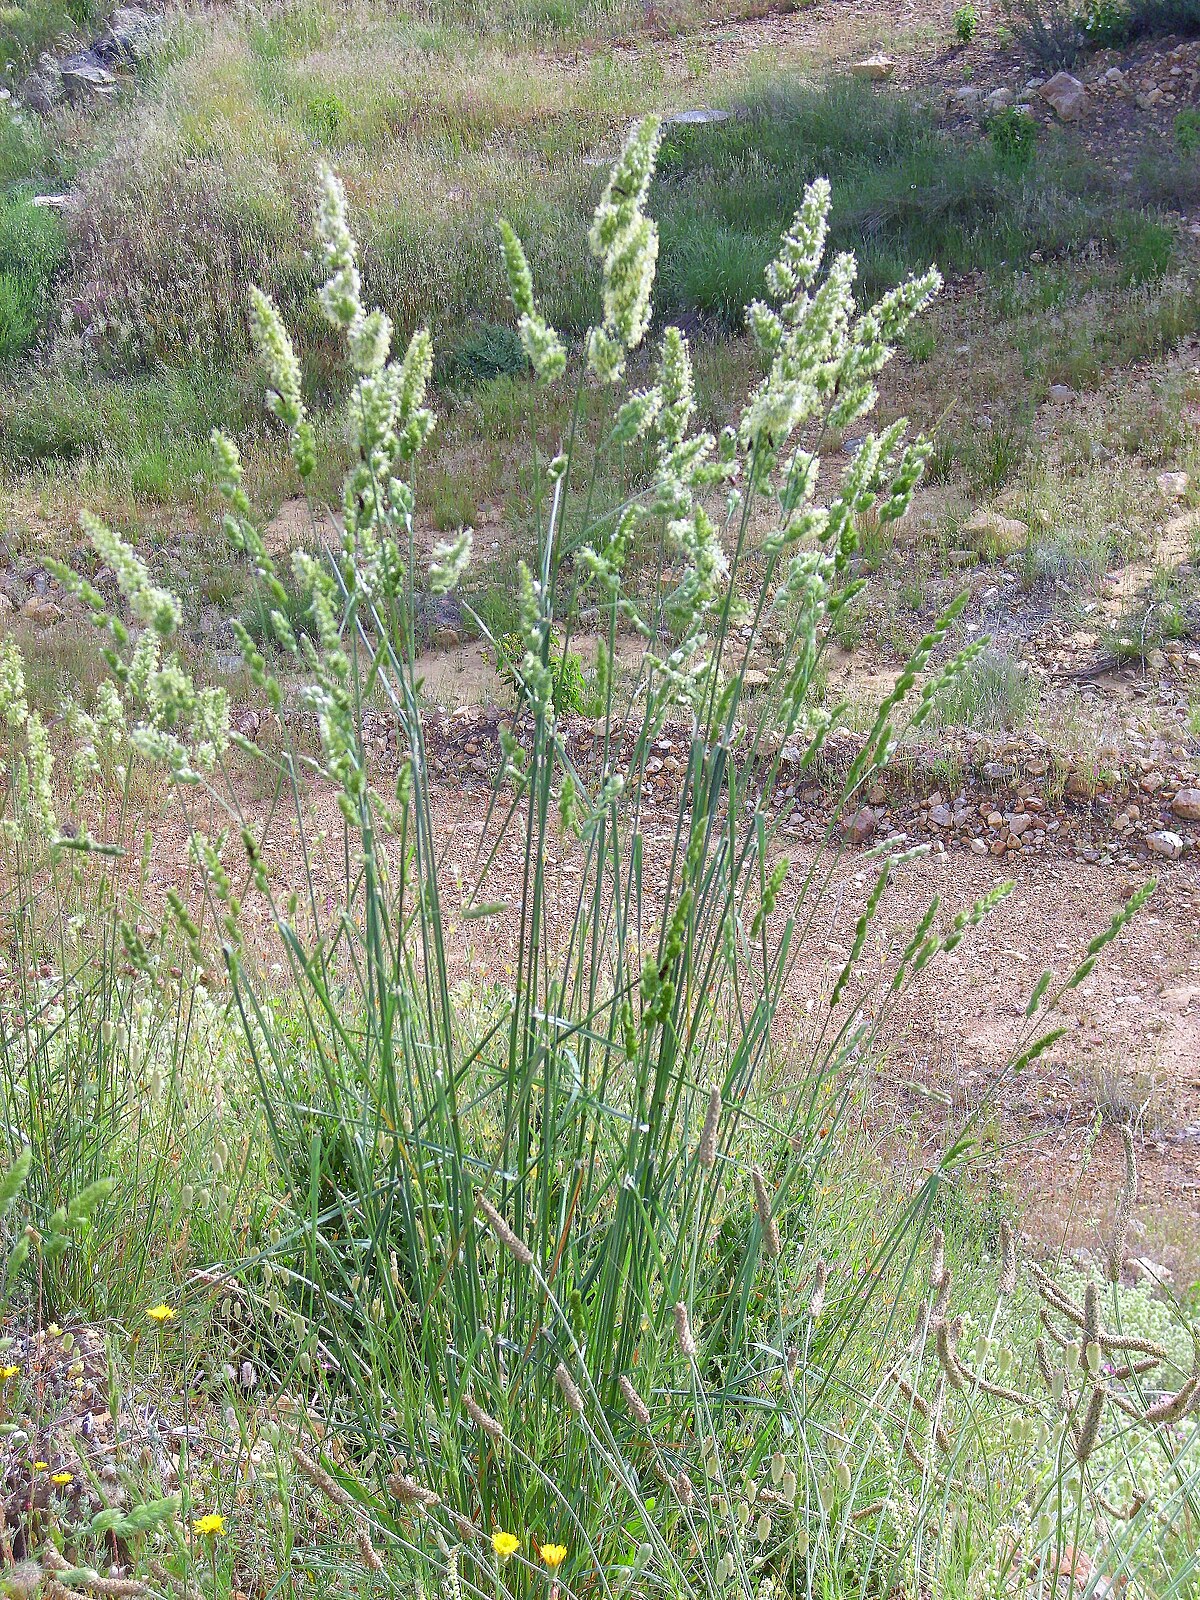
(549, 1258)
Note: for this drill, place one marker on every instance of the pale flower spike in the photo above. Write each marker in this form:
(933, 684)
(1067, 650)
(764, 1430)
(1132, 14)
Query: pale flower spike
(542, 346)
(451, 558)
(625, 241)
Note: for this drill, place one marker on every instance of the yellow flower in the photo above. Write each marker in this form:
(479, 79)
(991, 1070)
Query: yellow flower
(9, 1372)
(161, 1313)
(554, 1554)
(40, 1466)
(63, 1478)
(211, 1523)
(505, 1543)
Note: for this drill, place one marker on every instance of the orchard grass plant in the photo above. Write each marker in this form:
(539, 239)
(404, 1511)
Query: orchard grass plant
(560, 1278)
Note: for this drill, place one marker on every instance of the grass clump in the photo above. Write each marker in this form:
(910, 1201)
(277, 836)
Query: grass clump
(33, 251)
(993, 694)
(558, 1287)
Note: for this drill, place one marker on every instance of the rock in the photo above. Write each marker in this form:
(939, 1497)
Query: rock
(1001, 536)
(1018, 822)
(6, 605)
(979, 846)
(1152, 1271)
(1172, 485)
(969, 95)
(1165, 843)
(1061, 392)
(941, 816)
(1065, 96)
(859, 828)
(444, 638)
(42, 613)
(999, 99)
(1181, 999)
(84, 76)
(1186, 804)
(876, 68)
(698, 118)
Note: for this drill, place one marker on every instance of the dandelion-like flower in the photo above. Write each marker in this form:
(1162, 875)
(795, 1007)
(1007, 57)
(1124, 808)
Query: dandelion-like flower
(553, 1555)
(8, 1372)
(162, 1313)
(210, 1525)
(62, 1478)
(505, 1544)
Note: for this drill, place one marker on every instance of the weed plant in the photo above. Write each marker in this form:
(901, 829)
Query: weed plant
(559, 1265)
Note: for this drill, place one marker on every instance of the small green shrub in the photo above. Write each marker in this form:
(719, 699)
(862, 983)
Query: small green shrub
(1148, 249)
(1153, 18)
(1187, 130)
(572, 694)
(965, 23)
(993, 694)
(1106, 22)
(1051, 31)
(485, 350)
(33, 251)
(1013, 133)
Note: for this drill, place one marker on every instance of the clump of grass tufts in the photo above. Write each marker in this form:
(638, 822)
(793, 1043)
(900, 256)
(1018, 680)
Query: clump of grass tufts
(544, 1258)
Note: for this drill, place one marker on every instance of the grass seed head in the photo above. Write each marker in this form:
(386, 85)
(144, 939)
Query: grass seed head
(637, 1406)
(683, 1330)
(570, 1391)
(708, 1136)
(762, 1201)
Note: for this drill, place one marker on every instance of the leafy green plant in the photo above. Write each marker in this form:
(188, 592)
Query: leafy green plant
(965, 23)
(32, 253)
(1106, 22)
(1187, 130)
(1013, 133)
(1051, 30)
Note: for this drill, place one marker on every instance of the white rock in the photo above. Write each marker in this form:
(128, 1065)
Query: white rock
(1060, 392)
(1165, 843)
(876, 68)
(1172, 485)
(1065, 96)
